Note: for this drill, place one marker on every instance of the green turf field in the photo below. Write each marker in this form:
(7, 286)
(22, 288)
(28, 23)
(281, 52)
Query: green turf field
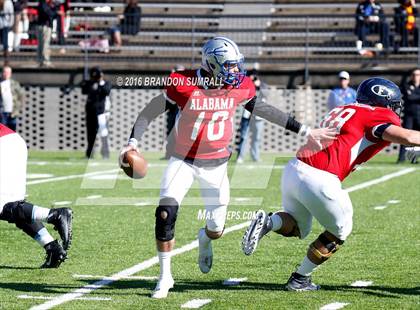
(114, 230)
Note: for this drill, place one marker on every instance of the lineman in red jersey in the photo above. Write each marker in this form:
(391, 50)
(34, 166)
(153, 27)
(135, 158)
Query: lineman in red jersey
(26, 216)
(207, 99)
(311, 184)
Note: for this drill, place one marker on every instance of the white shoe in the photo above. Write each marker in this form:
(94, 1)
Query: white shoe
(256, 230)
(162, 288)
(239, 160)
(205, 253)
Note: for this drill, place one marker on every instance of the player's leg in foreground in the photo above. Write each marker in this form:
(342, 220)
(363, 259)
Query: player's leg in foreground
(317, 194)
(26, 216)
(176, 181)
(214, 185)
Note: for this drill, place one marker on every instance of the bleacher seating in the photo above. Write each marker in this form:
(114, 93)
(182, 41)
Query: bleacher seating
(273, 33)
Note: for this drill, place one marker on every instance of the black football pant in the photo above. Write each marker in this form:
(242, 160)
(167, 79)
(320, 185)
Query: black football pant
(91, 130)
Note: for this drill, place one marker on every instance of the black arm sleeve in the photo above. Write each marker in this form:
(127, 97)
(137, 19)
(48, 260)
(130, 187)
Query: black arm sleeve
(378, 131)
(272, 114)
(85, 85)
(157, 106)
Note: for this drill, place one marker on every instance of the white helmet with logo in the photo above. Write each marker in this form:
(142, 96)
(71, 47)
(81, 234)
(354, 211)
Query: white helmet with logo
(219, 55)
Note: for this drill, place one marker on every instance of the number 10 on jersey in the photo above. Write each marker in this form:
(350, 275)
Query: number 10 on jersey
(218, 117)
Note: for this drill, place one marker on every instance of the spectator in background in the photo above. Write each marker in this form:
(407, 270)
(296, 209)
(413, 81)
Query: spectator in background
(411, 97)
(47, 12)
(62, 19)
(20, 17)
(370, 19)
(405, 22)
(6, 23)
(129, 23)
(342, 94)
(11, 99)
(97, 110)
(252, 123)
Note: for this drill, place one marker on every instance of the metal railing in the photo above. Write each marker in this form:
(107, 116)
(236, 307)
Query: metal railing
(266, 39)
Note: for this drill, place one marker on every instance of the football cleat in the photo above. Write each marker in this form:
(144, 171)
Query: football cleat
(162, 288)
(258, 228)
(62, 219)
(55, 255)
(205, 254)
(299, 283)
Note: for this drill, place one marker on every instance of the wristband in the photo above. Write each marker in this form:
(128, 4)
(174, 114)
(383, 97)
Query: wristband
(133, 142)
(304, 131)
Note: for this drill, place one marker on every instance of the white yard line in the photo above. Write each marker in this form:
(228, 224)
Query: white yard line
(122, 274)
(51, 297)
(73, 176)
(94, 197)
(89, 276)
(188, 247)
(196, 303)
(134, 201)
(380, 207)
(142, 204)
(62, 203)
(334, 306)
(241, 199)
(39, 175)
(164, 164)
(380, 180)
(361, 283)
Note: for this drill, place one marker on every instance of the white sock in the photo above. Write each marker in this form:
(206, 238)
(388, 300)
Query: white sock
(359, 44)
(165, 265)
(204, 239)
(43, 237)
(39, 214)
(276, 222)
(307, 267)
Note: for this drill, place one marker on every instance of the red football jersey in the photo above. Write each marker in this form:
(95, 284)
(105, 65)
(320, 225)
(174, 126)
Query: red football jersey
(356, 142)
(5, 130)
(204, 125)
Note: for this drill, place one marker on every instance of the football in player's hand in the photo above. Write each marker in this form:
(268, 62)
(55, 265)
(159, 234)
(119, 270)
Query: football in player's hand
(137, 165)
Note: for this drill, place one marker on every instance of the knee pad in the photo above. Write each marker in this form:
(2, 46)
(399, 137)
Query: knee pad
(329, 242)
(166, 215)
(290, 227)
(17, 211)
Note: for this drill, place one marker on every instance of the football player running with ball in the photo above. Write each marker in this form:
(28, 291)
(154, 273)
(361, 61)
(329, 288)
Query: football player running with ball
(202, 134)
(26, 216)
(311, 183)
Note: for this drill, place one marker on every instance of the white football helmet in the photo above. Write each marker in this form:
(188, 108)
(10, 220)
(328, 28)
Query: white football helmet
(219, 56)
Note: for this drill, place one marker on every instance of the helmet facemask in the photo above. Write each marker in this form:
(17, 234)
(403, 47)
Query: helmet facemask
(397, 106)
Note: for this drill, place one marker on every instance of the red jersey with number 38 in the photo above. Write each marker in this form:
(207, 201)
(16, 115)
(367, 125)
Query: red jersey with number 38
(357, 141)
(204, 125)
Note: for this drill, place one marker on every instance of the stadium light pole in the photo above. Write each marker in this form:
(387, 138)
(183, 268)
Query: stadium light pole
(86, 60)
(418, 43)
(306, 50)
(192, 41)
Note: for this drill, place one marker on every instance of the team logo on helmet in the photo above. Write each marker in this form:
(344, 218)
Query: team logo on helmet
(382, 91)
